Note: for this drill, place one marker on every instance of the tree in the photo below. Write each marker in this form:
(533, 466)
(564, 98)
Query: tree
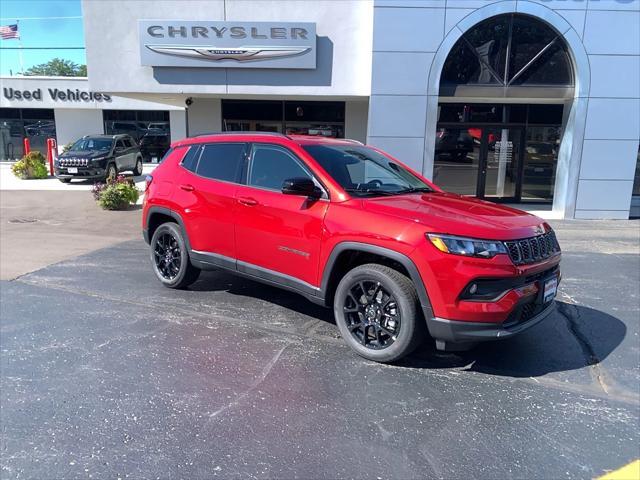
(58, 67)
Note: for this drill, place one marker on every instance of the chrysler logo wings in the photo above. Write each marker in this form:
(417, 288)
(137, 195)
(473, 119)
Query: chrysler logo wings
(239, 54)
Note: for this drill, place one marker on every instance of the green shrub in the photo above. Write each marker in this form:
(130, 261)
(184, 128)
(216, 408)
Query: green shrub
(65, 148)
(32, 165)
(117, 195)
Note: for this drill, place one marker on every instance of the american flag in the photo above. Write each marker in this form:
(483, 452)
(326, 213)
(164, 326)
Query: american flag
(9, 31)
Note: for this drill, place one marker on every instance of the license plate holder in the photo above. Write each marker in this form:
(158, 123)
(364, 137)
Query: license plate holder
(72, 169)
(550, 289)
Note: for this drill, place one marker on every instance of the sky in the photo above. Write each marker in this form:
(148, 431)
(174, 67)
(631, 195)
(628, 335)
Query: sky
(40, 25)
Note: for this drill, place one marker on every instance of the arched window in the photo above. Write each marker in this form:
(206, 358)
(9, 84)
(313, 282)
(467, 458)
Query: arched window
(511, 50)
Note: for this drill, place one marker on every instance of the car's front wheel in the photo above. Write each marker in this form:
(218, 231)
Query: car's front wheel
(170, 258)
(377, 311)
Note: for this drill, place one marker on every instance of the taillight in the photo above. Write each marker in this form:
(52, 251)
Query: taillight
(147, 182)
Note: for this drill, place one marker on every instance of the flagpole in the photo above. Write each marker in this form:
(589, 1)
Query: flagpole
(20, 49)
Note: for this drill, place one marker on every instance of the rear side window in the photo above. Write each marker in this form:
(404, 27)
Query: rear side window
(221, 161)
(190, 159)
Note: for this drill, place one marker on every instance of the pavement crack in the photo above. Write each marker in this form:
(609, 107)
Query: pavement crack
(255, 384)
(571, 314)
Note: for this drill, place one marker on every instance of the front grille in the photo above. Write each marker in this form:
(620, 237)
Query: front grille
(73, 162)
(534, 249)
(524, 313)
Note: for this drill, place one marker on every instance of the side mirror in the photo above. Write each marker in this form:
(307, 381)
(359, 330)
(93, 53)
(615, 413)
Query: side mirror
(301, 186)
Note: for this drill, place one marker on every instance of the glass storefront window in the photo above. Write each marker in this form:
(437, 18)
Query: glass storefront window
(500, 152)
(506, 50)
(457, 157)
(36, 124)
(150, 129)
(288, 117)
(540, 162)
(500, 113)
(636, 179)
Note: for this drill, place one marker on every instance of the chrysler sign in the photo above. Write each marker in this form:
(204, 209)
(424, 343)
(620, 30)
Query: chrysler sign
(174, 43)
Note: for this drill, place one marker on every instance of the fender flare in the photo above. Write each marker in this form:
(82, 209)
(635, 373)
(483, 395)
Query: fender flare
(170, 213)
(401, 258)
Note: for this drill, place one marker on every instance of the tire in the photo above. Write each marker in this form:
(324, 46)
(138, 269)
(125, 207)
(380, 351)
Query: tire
(396, 288)
(137, 170)
(111, 172)
(170, 275)
(65, 180)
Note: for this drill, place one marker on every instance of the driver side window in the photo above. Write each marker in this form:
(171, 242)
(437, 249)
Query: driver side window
(271, 165)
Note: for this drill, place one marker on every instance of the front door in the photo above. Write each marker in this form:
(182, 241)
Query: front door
(277, 236)
(500, 164)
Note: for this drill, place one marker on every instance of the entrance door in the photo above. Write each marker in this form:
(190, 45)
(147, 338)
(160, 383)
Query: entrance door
(500, 164)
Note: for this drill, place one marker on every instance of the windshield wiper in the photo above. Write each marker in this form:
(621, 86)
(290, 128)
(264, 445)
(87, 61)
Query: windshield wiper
(371, 191)
(416, 190)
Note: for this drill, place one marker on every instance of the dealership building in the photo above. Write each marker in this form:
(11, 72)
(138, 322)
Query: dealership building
(532, 102)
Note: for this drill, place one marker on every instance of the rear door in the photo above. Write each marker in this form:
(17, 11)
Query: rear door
(205, 191)
(122, 153)
(277, 232)
(132, 151)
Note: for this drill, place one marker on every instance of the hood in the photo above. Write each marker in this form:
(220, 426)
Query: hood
(88, 154)
(443, 212)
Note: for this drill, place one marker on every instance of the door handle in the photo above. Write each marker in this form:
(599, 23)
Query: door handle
(248, 201)
(187, 188)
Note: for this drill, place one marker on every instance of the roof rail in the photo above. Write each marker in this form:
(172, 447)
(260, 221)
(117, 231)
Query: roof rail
(246, 132)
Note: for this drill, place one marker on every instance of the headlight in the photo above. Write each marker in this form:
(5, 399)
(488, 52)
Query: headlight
(99, 159)
(471, 247)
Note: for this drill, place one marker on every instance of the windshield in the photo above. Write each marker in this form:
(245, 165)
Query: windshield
(362, 171)
(92, 144)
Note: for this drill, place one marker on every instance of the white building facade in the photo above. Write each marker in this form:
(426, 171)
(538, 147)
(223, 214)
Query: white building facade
(518, 101)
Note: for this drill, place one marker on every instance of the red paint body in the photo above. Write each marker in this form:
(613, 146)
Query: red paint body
(252, 225)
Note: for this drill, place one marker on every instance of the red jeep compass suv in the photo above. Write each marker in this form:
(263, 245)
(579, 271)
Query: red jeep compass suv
(349, 226)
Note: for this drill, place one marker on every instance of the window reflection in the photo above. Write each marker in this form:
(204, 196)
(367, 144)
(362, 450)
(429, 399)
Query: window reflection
(457, 155)
(36, 124)
(540, 162)
(537, 55)
(636, 179)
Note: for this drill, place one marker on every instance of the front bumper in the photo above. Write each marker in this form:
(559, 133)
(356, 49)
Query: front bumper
(89, 173)
(456, 335)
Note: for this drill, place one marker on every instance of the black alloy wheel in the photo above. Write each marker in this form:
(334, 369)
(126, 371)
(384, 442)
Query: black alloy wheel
(378, 313)
(170, 257)
(167, 255)
(372, 314)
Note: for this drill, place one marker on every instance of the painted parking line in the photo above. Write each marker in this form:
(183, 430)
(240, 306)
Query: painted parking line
(628, 472)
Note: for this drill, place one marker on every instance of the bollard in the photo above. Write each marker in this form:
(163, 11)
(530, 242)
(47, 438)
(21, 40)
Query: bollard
(26, 145)
(51, 153)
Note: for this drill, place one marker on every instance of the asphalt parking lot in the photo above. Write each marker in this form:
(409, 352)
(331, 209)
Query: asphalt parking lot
(105, 373)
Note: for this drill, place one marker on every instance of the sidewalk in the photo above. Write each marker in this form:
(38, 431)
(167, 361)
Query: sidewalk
(8, 181)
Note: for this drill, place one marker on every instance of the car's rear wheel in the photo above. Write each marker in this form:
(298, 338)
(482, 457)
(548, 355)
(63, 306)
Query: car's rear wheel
(170, 258)
(111, 174)
(377, 311)
(137, 171)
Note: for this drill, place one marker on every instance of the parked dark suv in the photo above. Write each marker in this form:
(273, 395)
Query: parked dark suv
(99, 157)
(350, 227)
